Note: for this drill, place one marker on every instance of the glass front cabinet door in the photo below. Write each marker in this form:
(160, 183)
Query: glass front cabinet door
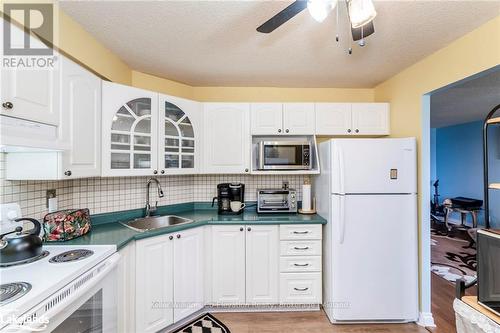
(129, 131)
(145, 133)
(178, 131)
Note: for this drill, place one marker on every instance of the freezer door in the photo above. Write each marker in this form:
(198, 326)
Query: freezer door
(374, 166)
(374, 258)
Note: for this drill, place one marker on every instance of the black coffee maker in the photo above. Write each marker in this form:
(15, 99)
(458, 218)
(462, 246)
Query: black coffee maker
(227, 193)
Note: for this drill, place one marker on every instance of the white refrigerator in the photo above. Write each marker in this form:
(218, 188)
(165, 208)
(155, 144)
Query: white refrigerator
(367, 190)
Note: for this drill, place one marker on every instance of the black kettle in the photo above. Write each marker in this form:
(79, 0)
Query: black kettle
(22, 246)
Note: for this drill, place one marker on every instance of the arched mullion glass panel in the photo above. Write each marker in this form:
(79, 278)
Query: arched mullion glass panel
(179, 138)
(131, 135)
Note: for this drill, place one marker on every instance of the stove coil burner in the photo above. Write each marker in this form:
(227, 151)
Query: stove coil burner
(9, 292)
(72, 255)
(26, 261)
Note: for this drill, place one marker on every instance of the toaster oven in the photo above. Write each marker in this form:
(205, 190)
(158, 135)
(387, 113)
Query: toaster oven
(276, 201)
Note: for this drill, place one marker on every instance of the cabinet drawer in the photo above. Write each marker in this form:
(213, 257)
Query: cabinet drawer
(300, 288)
(300, 248)
(301, 231)
(300, 264)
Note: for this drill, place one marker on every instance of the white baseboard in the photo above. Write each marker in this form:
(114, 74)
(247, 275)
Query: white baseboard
(425, 319)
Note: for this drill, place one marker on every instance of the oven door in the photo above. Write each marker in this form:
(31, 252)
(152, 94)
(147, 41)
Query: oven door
(273, 201)
(283, 155)
(89, 304)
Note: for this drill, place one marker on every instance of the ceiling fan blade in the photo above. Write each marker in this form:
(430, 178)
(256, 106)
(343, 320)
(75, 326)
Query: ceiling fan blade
(277, 20)
(363, 32)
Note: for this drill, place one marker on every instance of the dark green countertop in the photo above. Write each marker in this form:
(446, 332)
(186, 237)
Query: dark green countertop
(106, 229)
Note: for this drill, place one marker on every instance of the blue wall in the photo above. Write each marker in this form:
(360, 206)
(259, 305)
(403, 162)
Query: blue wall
(458, 164)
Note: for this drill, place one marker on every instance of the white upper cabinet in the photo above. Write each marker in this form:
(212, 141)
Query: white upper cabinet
(298, 118)
(266, 118)
(129, 131)
(333, 118)
(179, 135)
(226, 142)
(30, 94)
(282, 119)
(80, 121)
(352, 119)
(370, 118)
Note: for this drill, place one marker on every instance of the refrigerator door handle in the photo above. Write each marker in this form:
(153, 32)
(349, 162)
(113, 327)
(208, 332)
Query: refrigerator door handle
(342, 220)
(341, 169)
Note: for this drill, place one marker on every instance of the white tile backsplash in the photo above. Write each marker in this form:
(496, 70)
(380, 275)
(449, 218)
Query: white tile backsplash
(103, 195)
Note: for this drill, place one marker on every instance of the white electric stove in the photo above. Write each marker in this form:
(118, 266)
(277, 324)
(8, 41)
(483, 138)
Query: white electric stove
(69, 289)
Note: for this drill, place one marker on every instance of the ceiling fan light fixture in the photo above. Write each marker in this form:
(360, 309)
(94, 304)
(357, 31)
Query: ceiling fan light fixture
(319, 9)
(361, 12)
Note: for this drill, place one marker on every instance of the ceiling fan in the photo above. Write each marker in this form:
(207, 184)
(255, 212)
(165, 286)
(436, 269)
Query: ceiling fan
(360, 14)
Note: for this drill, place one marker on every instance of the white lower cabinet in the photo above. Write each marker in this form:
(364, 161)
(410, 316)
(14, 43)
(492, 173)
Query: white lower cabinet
(300, 264)
(188, 272)
(228, 264)
(262, 267)
(169, 279)
(245, 264)
(154, 284)
(126, 289)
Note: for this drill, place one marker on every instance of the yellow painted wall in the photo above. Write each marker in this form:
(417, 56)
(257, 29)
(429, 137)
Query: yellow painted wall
(250, 94)
(473, 53)
(80, 45)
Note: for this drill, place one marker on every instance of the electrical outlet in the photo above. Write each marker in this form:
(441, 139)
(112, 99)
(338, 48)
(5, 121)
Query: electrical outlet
(49, 194)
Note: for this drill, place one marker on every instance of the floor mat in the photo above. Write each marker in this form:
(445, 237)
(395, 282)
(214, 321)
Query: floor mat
(205, 323)
(452, 258)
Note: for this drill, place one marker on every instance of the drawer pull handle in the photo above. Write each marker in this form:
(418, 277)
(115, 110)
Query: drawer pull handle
(301, 232)
(301, 265)
(301, 289)
(301, 248)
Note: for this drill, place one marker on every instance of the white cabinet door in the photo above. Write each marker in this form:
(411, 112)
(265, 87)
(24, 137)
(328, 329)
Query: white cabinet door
(126, 289)
(80, 121)
(333, 119)
(129, 131)
(298, 118)
(154, 283)
(228, 264)
(227, 137)
(262, 264)
(370, 118)
(180, 128)
(188, 272)
(266, 118)
(33, 94)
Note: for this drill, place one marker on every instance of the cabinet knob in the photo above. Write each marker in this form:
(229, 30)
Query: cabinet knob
(155, 171)
(162, 172)
(170, 237)
(249, 229)
(287, 130)
(178, 235)
(279, 131)
(246, 170)
(357, 130)
(241, 229)
(7, 105)
(67, 173)
(349, 130)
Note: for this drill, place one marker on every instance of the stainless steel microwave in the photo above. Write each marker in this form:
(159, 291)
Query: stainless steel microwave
(284, 155)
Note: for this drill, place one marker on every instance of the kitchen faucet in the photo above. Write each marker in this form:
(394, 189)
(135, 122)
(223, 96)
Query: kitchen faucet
(148, 210)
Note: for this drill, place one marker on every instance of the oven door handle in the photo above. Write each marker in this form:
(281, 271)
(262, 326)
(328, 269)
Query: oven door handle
(111, 263)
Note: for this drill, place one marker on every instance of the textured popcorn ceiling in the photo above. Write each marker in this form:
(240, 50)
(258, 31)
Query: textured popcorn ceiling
(214, 43)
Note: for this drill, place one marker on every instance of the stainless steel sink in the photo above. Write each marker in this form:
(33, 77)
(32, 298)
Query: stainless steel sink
(155, 222)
